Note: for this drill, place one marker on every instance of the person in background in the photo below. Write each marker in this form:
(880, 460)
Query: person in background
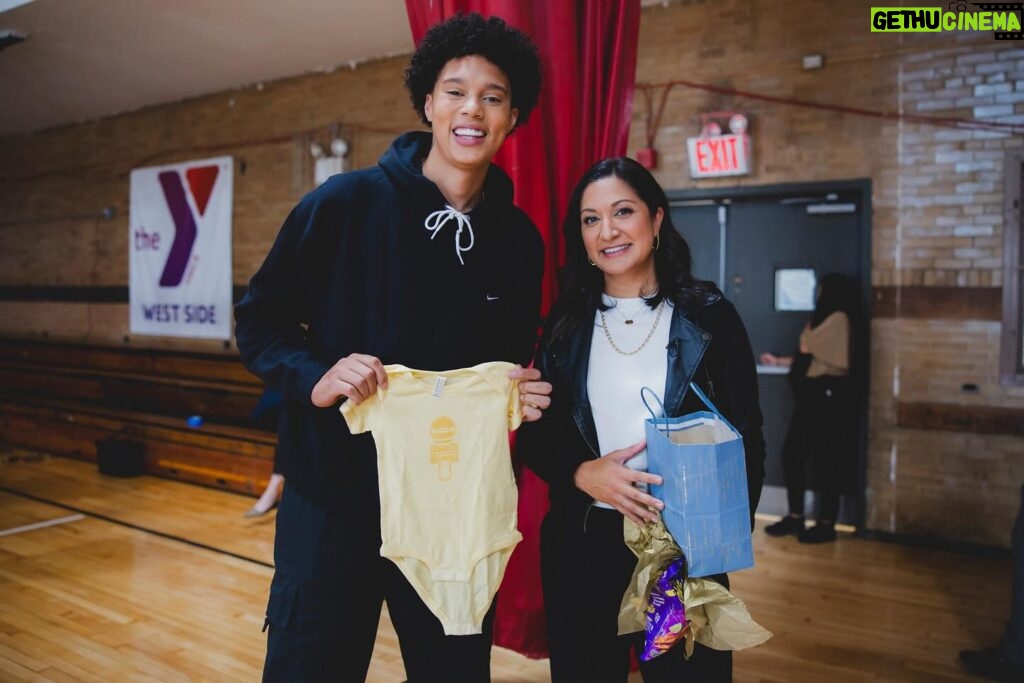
(422, 260)
(1004, 661)
(822, 435)
(266, 415)
(271, 495)
(630, 315)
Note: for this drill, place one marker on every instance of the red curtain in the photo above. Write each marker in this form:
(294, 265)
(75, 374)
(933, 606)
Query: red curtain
(588, 50)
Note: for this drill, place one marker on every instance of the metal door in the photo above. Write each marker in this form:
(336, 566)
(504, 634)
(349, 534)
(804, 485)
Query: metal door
(755, 240)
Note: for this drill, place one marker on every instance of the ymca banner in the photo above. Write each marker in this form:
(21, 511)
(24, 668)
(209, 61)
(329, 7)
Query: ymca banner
(179, 246)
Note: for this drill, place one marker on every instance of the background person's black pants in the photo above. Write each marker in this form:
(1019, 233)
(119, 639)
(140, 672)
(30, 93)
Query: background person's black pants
(821, 441)
(325, 604)
(585, 574)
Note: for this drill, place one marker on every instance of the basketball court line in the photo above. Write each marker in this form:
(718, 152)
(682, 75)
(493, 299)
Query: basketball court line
(129, 525)
(40, 525)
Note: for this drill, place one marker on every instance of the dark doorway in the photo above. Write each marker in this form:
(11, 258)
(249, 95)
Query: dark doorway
(764, 247)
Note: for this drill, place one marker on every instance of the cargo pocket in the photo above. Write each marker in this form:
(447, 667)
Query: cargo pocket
(281, 605)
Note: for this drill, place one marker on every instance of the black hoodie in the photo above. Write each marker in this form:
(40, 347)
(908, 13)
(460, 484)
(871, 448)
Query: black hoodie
(354, 270)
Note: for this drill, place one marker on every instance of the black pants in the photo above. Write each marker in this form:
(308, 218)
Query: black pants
(585, 573)
(325, 603)
(821, 441)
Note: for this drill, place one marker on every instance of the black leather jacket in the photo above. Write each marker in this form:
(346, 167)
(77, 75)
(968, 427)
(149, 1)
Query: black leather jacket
(708, 346)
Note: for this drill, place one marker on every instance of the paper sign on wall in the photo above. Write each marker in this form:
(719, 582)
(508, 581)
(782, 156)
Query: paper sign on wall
(179, 246)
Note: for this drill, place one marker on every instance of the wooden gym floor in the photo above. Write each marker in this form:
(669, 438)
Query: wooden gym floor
(153, 580)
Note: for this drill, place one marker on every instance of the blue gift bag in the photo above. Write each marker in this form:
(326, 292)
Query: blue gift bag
(704, 486)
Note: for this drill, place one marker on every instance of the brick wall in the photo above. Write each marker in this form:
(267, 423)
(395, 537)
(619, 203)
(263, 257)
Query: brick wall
(54, 183)
(937, 220)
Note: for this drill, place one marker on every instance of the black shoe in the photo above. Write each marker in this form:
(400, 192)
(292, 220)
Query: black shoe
(787, 525)
(819, 533)
(991, 663)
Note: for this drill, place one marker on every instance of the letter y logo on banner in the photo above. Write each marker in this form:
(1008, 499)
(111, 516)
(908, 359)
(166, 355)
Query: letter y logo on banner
(200, 181)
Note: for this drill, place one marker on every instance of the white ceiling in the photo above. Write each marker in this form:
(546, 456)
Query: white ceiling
(85, 59)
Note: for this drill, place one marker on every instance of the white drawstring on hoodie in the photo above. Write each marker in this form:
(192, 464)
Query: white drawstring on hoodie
(437, 220)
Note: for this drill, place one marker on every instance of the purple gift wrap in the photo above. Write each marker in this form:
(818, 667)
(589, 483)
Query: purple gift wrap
(666, 615)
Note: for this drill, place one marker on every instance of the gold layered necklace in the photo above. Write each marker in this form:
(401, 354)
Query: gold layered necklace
(615, 347)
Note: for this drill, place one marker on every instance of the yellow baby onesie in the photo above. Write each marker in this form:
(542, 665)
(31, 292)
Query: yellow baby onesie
(447, 491)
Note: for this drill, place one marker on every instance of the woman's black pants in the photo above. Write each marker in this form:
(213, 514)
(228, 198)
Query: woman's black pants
(585, 573)
(821, 441)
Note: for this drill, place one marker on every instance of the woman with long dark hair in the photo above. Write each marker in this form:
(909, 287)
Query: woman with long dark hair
(630, 315)
(822, 436)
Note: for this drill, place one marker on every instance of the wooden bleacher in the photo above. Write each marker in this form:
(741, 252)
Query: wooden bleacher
(63, 398)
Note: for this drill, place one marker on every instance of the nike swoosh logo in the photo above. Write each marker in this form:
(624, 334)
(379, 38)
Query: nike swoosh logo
(491, 298)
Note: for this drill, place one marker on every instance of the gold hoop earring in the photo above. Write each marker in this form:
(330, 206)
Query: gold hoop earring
(591, 262)
(657, 241)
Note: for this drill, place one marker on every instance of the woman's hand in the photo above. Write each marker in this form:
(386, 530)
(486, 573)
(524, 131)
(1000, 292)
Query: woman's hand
(608, 480)
(772, 359)
(355, 377)
(534, 395)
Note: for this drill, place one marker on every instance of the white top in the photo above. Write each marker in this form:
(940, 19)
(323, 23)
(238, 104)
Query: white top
(614, 380)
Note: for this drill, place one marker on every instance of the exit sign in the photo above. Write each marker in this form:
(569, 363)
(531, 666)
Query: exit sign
(719, 155)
